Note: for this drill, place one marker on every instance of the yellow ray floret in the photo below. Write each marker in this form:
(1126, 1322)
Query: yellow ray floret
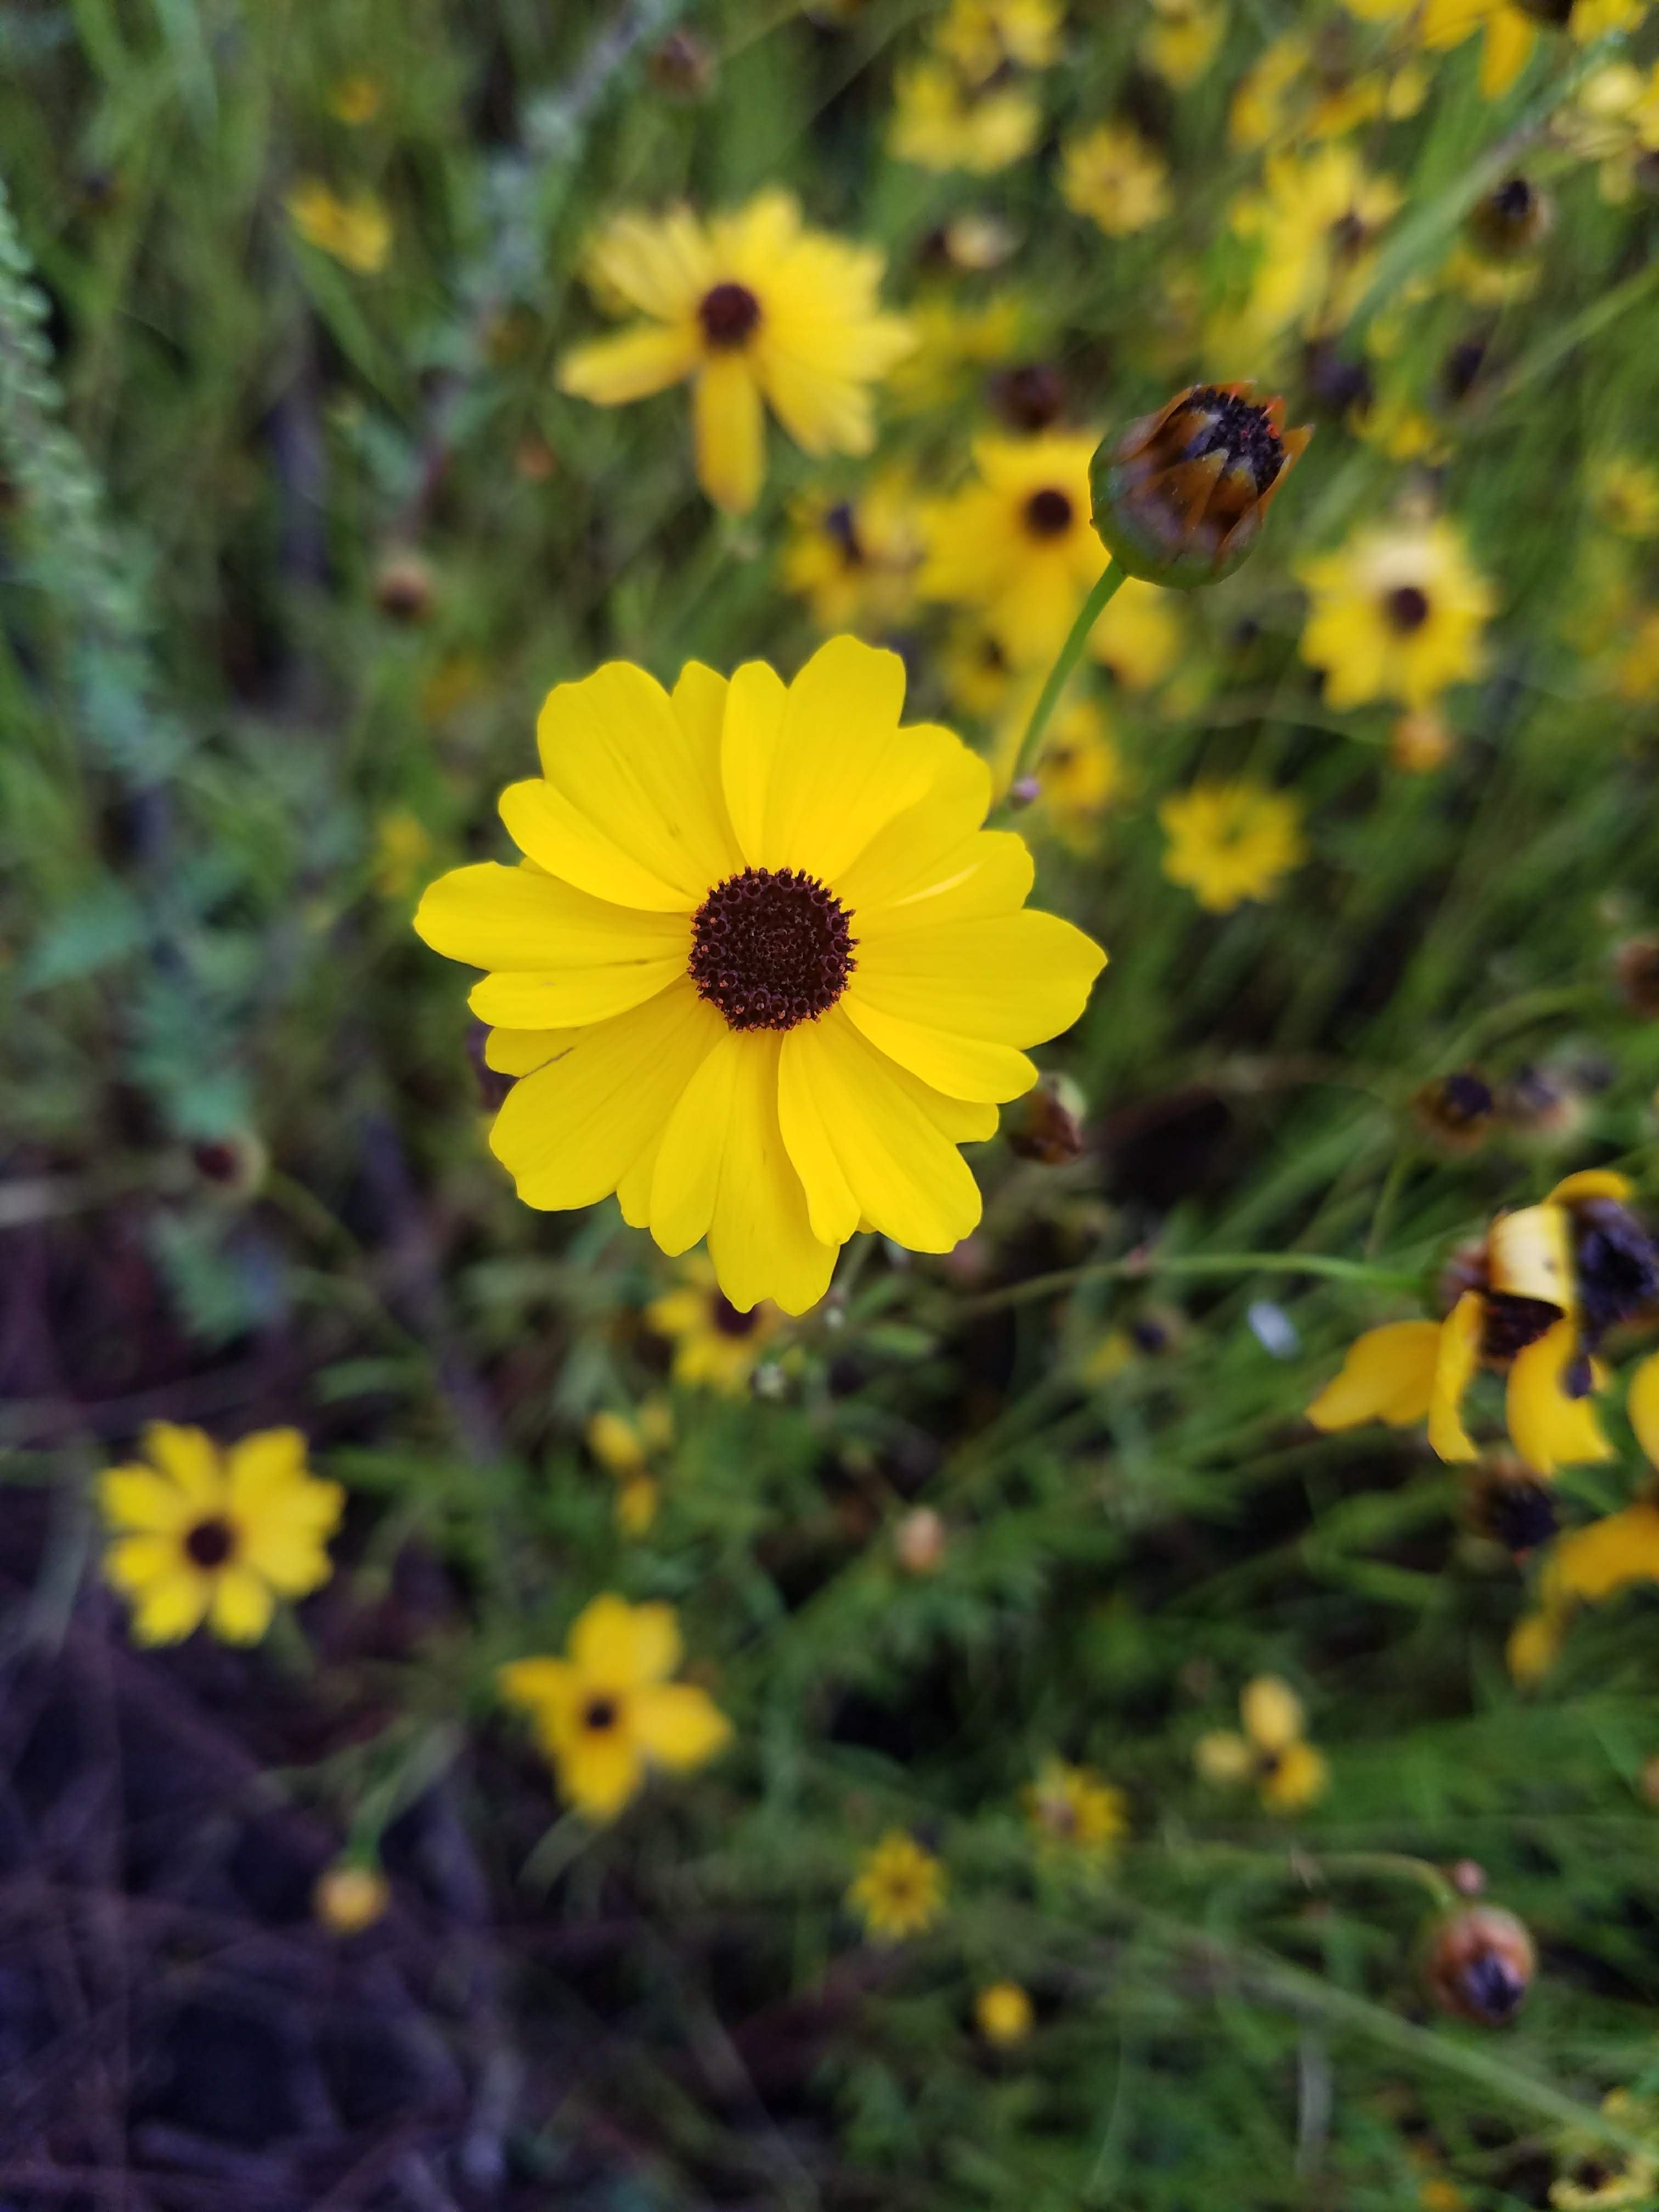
(763, 970)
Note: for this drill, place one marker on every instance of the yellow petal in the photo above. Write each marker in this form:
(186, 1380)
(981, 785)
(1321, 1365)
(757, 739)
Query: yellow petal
(133, 1564)
(750, 736)
(138, 1497)
(573, 996)
(1529, 1255)
(699, 700)
(598, 1773)
(1387, 1376)
(1643, 1405)
(1504, 52)
(1591, 1183)
(620, 1646)
(1223, 1757)
(241, 1608)
(1606, 1555)
(644, 780)
(693, 1155)
(761, 1237)
(678, 1725)
(660, 264)
(559, 959)
(968, 1068)
(918, 847)
(269, 1460)
(1272, 1713)
(1549, 1428)
(1458, 1355)
(985, 878)
(730, 429)
(519, 1052)
(1535, 1643)
(1297, 1778)
(171, 1607)
(570, 1130)
(612, 371)
(540, 1685)
(290, 1557)
(190, 1457)
(855, 1132)
(565, 840)
(1014, 978)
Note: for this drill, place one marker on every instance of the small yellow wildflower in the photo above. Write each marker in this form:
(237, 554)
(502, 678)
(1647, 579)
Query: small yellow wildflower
(1421, 742)
(899, 1890)
(1272, 1752)
(349, 1897)
(756, 310)
(715, 1345)
(355, 100)
(1112, 175)
(1231, 841)
(984, 36)
(403, 846)
(1510, 31)
(1612, 119)
(1310, 233)
(1598, 2178)
(356, 231)
(1017, 544)
(854, 561)
(1002, 2013)
(1077, 1812)
(623, 1444)
(1259, 103)
(1398, 613)
(606, 1712)
(941, 123)
(1079, 773)
(1624, 497)
(1182, 40)
(198, 1532)
(955, 346)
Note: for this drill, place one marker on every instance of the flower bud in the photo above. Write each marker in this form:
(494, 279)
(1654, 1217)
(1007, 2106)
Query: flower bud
(1179, 496)
(1046, 1125)
(1479, 1964)
(349, 1897)
(404, 587)
(1420, 742)
(1002, 2013)
(919, 1541)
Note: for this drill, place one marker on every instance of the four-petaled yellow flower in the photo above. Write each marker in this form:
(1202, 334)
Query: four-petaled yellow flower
(1271, 1752)
(199, 1533)
(758, 311)
(1018, 545)
(1231, 841)
(355, 231)
(764, 971)
(606, 1712)
(1076, 1812)
(899, 1890)
(1111, 175)
(1397, 613)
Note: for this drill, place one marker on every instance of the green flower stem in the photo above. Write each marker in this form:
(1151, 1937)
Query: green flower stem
(1220, 1263)
(1069, 653)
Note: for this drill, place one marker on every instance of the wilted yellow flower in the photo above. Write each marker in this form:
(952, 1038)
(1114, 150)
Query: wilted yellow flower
(355, 231)
(715, 1345)
(1112, 175)
(1398, 613)
(1231, 841)
(606, 1712)
(204, 1534)
(757, 311)
(940, 123)
(1182, 38)
(1077, 1812)
(1016, 545)
(1273, 1751)
(1002, 2012)
(899, 1890)
(854, 561)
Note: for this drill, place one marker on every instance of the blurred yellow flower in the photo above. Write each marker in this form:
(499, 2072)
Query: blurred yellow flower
(955, 345)
(1612, 119)
(350, 1896)
(899, 1890)
(1421, 742)
(1079, 771)
(1182, 40)
(1138, 639)
(624, 1445)
(1510, 31)
(983, 36)
(355, 99)
(1599, 2179)
(1310, 234)
(768, 972)
(198, 1532)
(356, 231)
(715, 1345)
(1112, 175)
(941, 123)
(1017, 544)
(1398, 613)
(1636, 677)
(1002, 2013)
(1261, 100)
(1075, 1811)
(854, 561)
(1624, 497)
(1231, 841)
(757, 311)
(606, 1712)
(403, 846)
(1273, 1751)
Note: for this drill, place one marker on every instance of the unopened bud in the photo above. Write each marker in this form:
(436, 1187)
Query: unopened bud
(1420, 742)
(919, 1541)
(349, 1897)
(1455, 1111)
(404, 587)
(1479, 1964)
(1046, 1123)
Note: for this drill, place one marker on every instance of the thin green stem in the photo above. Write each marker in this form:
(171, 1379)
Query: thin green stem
(1069, 653)
(1221, 1263)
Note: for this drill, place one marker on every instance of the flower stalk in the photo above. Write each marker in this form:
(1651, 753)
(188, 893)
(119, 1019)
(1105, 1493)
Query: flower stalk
(1060, 675)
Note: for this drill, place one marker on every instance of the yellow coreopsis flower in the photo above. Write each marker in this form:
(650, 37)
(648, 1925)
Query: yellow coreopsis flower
(899, 1890)
(764, 971)
(1182, 40)
(941, 122)
(1596, 2178)
(1273, 1751)
(1612, 119)
(201, 1534)
(854, 561)
(606, 1713)
(1074, 1811)
(1398, 613)
(715, 1345)
(757, 311)
(355, 231)
(1231, 841)
(1111, 175)
(1017, 545)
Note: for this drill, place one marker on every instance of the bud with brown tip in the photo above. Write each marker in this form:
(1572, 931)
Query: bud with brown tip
(1478, 1963)
(1047, 1124)
(1179, 496)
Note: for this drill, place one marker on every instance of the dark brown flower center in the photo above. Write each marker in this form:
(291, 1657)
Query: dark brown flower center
(1521, 1515)
(841, 527)
(599, 1714)
(727, 1321)
(1514, 199)
(771, 948)
(1237, 428)
(1407, 609)
(1048, 514)
(210, 1543)
(728, 314)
